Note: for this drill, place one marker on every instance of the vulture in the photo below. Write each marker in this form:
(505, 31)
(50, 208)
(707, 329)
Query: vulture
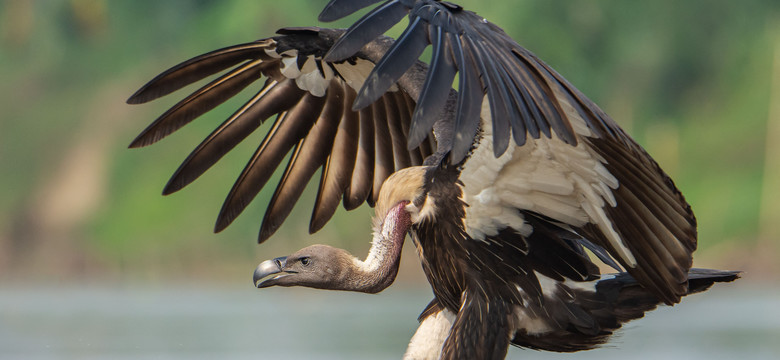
(511, 183)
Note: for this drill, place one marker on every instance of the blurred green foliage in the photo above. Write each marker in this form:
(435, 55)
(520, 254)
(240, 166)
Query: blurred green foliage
(689, 80)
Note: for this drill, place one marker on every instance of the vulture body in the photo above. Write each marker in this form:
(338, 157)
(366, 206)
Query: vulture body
(502, 185)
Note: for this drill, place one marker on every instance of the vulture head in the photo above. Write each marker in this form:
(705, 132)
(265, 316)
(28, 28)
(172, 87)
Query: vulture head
(402, 202)
(317, 266)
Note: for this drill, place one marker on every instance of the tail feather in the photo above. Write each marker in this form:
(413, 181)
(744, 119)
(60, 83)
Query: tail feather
(625, 300)
(614, 300)
(702, 279)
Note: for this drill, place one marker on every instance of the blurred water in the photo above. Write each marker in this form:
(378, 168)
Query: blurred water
(112, 322)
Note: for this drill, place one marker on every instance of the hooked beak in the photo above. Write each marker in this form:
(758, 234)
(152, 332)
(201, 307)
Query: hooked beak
(268, 268)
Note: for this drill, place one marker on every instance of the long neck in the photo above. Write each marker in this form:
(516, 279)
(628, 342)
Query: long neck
(380, 268)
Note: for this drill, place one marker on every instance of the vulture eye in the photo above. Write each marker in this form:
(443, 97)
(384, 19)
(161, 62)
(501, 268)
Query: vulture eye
(305, 261)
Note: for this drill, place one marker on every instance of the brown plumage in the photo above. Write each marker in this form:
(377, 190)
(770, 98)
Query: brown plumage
(502, 185)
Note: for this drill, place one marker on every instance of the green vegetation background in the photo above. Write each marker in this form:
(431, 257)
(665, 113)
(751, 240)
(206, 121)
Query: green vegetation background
(692, 81)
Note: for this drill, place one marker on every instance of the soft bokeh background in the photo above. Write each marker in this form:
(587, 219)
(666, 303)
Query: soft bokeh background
(696, 82)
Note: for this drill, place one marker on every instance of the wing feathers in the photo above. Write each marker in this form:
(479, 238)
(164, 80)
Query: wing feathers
(258, 170)
(363, 176)
(436, 89)
(356, 150)
(337, 9)
(200, 102)
(416, 155)
(520, 88)
(370, 26)
(393, 109)
(289, 129)
(470, 96)
(394, 64)
(275, 97)
(308, 156)
(338, 169)
(497, 97)
(198, 68)
(546, 98)
(651, 217)
(383, 163)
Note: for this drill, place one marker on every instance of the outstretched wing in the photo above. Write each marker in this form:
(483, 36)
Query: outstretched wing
(584, 172)
(356, 150)
(523, 93)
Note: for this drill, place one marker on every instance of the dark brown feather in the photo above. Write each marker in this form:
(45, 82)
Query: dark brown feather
(588, 319)
(354, 169)
(393, 120)
(274, 98)
(340, 164)
(199, 68)
(289, 128)
(383, 163)
(305, 161)
(359, 189)
(404, 112)
(200, 102)
(651, 216)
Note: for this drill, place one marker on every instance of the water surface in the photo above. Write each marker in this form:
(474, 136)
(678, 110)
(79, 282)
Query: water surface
(112, 322)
